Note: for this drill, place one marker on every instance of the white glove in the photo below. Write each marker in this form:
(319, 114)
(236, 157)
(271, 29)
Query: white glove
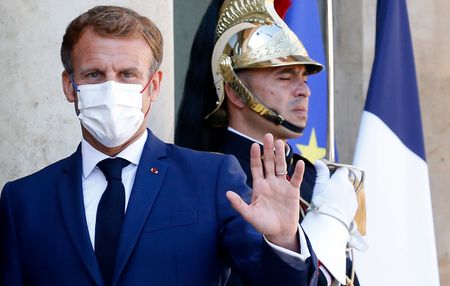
(327, 223)
(334, 196)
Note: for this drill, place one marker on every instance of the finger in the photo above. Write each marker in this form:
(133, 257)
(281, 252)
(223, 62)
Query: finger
(341, 177)
(323, 173)
(255, 162)
(297, 177)
(341, 172)
(269, 156)
(280, 157)
(239, 205)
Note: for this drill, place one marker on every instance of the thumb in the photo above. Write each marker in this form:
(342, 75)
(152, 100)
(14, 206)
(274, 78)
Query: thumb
(239, 205)
(341, 173)
(323, 173)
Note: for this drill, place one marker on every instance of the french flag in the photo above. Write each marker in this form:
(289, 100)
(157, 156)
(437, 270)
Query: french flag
(390, 148)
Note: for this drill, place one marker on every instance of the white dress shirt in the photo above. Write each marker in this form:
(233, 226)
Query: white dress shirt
(94, 182)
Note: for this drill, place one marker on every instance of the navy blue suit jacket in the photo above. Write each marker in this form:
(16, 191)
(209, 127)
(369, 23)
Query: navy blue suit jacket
(179, 228)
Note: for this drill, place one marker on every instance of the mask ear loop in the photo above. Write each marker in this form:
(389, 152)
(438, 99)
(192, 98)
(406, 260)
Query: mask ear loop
(146, 85)
(142, 91)
(74, 84)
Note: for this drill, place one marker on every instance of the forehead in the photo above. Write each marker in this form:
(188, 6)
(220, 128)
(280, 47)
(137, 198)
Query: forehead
(93, 49)
(294, 69)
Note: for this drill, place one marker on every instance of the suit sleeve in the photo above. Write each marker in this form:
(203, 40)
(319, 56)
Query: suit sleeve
(10, 272)
(244, 248)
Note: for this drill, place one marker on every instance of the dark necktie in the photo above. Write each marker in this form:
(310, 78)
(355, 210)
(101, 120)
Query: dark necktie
(110, 214)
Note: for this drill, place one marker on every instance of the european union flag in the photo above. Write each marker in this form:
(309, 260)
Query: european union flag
(303, 18)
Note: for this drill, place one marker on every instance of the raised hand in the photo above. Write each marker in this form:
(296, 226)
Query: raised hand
(274, 208)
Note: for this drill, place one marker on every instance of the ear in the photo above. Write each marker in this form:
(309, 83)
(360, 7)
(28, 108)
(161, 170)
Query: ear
(233, 98)
(68, 87)
(155, 85)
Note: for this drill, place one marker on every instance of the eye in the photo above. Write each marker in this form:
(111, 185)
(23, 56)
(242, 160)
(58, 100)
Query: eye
(128, 75)
(93, 75)
(285, 77)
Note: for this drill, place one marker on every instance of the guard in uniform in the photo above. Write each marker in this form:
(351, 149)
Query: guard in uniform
(248, 76)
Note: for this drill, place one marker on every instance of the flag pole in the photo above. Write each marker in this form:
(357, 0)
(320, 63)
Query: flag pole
(330, 79)
(358, 183)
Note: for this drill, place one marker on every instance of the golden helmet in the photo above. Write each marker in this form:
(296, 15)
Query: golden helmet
(250, 34)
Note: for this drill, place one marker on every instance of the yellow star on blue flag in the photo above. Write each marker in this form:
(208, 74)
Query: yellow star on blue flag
(312, 151)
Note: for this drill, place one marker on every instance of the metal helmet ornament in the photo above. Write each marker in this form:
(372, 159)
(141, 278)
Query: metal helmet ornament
(250, 34)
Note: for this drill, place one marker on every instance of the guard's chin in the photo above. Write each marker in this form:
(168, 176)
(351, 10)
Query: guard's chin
(290, 134)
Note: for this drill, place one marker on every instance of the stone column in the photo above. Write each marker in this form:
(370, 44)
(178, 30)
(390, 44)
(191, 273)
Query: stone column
(429, 24)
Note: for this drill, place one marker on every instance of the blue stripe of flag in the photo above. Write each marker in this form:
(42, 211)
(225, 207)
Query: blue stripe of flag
(393, 94)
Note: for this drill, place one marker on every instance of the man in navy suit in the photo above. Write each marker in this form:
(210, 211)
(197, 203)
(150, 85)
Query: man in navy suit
(178, 221)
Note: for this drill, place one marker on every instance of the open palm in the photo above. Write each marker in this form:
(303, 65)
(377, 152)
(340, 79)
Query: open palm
(274, 208)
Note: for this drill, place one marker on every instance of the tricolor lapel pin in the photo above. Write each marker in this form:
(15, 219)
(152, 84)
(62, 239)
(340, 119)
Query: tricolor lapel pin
(154, 170)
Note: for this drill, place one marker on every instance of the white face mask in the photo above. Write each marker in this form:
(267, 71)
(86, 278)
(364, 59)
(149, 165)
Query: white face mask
(110, 111)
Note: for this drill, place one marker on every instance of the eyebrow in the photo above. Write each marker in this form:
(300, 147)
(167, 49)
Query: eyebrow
(130, 69)
(291, 70)
(89, 69)
(95, 69)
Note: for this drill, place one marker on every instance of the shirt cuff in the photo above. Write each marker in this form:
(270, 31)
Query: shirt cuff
(290, 257)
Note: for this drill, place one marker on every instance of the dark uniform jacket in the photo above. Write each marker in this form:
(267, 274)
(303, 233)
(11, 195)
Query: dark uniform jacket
(239, 146)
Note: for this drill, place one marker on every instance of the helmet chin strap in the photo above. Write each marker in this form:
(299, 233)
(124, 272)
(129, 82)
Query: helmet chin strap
(292, 127)
(230, 77)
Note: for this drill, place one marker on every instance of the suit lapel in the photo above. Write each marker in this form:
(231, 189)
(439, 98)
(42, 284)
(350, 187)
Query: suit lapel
(147, 184)
(72, 207)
